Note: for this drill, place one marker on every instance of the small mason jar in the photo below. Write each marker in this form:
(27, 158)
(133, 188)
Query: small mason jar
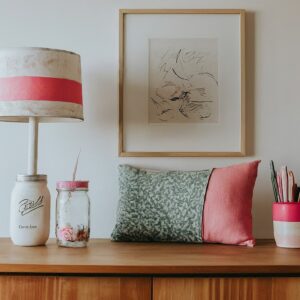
(72, 213)
(30, 211)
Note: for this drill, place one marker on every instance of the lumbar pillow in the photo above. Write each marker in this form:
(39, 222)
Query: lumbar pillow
(186, 206)
(160, 206)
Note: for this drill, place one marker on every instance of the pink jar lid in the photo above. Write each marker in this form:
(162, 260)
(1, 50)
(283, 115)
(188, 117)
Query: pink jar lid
(72, 185)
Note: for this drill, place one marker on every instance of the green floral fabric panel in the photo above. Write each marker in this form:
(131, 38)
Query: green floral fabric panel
(160, 206)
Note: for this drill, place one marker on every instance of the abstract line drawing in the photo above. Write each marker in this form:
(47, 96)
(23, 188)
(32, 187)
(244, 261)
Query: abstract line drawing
(183, 81)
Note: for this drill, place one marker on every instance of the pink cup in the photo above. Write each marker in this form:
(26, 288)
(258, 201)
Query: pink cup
(286, 223)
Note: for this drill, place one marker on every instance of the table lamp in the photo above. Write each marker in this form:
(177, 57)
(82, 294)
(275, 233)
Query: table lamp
(36, 85)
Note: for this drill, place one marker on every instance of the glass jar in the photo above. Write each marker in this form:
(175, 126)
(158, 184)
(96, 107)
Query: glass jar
(30, 211)
(72, 214)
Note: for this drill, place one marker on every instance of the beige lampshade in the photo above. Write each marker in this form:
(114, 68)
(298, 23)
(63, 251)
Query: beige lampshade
(40, 82)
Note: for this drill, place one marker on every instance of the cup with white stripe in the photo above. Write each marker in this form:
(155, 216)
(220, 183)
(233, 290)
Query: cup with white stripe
(286, 223)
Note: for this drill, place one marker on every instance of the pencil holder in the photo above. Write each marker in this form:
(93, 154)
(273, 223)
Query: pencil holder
(286, 223)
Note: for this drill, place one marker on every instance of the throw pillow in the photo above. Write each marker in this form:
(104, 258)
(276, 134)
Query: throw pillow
(227, 216)
(160, 206)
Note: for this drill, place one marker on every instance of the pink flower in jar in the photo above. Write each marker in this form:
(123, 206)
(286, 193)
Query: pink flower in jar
(66, 234)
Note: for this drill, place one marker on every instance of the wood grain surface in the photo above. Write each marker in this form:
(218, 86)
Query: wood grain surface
(226, 288)
(74, 288)
(106, 257)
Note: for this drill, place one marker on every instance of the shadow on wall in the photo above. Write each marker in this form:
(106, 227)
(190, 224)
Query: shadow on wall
(263, 196)
(262, 208)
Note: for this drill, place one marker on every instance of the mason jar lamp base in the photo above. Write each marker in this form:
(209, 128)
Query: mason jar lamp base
(30, 211)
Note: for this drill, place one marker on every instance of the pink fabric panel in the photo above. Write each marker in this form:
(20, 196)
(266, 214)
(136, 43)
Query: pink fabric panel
(40, 88)
(227, 216)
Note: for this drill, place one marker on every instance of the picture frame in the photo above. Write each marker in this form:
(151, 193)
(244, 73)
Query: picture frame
(182, 83)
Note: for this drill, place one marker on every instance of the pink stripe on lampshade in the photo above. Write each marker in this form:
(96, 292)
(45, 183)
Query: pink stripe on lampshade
(40, 88)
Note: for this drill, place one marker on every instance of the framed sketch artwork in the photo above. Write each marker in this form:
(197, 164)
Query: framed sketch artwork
(182, 83)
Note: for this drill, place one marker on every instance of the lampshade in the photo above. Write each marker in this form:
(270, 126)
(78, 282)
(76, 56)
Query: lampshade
(40, 82)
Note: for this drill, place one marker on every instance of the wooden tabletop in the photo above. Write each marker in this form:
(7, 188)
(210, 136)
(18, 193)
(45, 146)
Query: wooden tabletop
(106, 257)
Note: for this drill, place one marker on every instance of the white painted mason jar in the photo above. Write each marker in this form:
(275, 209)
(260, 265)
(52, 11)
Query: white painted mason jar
(30, 211)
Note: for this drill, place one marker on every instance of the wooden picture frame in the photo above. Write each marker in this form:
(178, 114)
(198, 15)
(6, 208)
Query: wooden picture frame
(131, 24)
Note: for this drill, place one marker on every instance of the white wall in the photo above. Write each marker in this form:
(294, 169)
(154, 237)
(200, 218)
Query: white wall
(90, 27)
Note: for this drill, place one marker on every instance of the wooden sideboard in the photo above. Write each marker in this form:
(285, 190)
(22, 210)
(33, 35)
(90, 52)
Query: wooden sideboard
(109, 270)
